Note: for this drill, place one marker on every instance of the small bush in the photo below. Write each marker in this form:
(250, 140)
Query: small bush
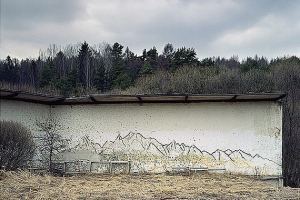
(16, 145)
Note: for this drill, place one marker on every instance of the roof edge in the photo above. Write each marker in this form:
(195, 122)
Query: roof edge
(137, 98)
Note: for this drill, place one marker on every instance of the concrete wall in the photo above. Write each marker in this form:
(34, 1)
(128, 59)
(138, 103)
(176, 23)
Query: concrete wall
(25, 113)
(239, 137)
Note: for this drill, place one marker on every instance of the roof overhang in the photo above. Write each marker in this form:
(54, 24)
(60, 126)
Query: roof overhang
(29, 97)
(137, 98)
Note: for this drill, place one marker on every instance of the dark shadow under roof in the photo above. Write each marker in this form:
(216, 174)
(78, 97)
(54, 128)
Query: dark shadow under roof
(137, 98)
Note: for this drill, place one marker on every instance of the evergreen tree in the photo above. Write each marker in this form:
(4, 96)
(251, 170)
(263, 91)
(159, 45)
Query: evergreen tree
(47, 77)
(73, 79)
(248, 64)
(85, 66)
(146, 69)
(11, 71)
(123, 81)
(65, 87)
(117, 50)
(120, 78)
(152, 56)
(184, 56)
(100, 79)
(8, 68)
(207, 62)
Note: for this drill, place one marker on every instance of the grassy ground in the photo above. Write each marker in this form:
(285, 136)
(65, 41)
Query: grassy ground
(24, 185)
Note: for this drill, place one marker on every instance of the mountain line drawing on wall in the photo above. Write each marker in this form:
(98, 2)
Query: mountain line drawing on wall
(148, 152)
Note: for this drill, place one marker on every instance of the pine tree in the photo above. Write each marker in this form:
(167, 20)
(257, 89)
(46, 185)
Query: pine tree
(184, 56)
(47, 77)
(120, 78)
(146, 69)
(85, 67)
(100, 79)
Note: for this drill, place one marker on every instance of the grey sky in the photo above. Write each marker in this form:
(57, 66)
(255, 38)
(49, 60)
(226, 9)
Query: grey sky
(224, 28)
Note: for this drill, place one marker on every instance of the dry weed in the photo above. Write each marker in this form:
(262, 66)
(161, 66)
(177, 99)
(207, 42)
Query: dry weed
(25, 185)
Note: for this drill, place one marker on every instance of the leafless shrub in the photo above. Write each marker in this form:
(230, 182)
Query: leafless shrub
(16, 145)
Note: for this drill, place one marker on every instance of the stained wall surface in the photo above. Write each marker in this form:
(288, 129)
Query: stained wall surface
(25, 113)
(240, 137)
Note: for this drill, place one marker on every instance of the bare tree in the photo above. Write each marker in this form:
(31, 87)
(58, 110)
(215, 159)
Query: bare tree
(50, 142)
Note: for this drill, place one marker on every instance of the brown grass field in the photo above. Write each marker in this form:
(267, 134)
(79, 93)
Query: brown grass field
(25, 185)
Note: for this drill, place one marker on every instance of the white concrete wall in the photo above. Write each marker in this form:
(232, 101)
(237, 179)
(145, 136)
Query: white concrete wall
(240, 137)
(25, 113)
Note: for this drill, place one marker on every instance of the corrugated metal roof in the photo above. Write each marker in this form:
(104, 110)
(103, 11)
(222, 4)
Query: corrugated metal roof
(137, 98)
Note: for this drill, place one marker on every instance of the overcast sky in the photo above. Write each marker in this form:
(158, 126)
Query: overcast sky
(223, 28)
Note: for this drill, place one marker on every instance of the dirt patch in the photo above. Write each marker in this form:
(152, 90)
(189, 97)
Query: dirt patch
(24, 185)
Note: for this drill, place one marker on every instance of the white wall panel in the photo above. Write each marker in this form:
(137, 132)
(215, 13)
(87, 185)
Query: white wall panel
(241, 137)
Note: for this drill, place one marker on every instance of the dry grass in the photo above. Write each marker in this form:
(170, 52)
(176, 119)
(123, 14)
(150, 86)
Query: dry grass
(24, 185)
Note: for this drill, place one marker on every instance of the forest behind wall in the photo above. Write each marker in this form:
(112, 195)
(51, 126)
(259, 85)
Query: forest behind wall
(81, 69)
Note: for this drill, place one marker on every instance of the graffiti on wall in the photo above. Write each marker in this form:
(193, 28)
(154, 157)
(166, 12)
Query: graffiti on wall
(149, 155)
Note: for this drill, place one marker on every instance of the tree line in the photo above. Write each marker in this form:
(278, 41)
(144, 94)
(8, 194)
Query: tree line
(83, 69)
